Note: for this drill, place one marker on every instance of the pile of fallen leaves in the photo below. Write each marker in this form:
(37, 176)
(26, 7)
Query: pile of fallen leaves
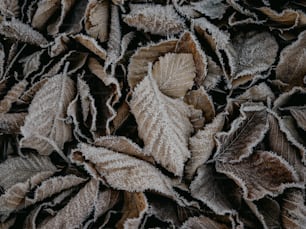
(152, 114)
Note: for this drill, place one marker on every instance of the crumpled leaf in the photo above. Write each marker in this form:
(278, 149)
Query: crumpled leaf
(293, 209)
(174, 74)
(245, 133)
(291, 68)
(134, 207)
(209, 187)
(44, 128)
(10, 8)
(19, 31)
(203, 222)
(31, 63)
(96, 20)
(167, 140)
(77, 209)
(10, 123)
(202, 144)
(121, 171)
(299, 114)
(262, 173)
(156, 19)
(212, 9)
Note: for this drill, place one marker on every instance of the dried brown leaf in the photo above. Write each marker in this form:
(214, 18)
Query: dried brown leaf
(203, 222)
(138, 67)
(202, 144)
(291, 68)
(19, 31)
(10, 123)
(44, 128)
(29, 94)
(167, 120)
(31, 63)
(121, 171)
(156, 19)
(293, 209)
(96, 20)
(262, 173)
(245, 133)
(214, 74)
(174, 74)
(10, 8)
(299, 114)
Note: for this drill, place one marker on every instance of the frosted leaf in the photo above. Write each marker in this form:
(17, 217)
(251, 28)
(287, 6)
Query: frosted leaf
(212, 9)
(104, 201)
(31, 63)
(12, 96)
(91, 44)
(65, 7)
(256, 52)
(76, 210)
(257, 93)
(245, 133)
(202, 144)
(288, 18)
(44, 128)
(10, 8)
(10, 123)
(60, 45)
(203, 222)
(174, 74)
(89, 110)
(19, 169)
(293, 209)
(122, 145)
(291, 68)
(138, 67)
(187, 43)
(299, 114)
(19, 31)
(262, 173)
(96, 19)
(267, 211)
(134, 207)
(121, 171)
(45, 9)
(28, 95)
(199, 99)
(122, 114)
(167, 120)
(209, 187)
(156, 19)
(280, 144)
(214, 75)
(53, 186)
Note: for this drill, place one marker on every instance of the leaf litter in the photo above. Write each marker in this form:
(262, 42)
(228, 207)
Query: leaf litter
(152, 114)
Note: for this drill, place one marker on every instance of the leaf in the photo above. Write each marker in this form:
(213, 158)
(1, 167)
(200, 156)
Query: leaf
(96, 19)
(44, 128)
(134, 207)
(280, 144)
(256, 52)
(291, 68)
(2, 60)
(10, 123)
(199, 99)
(77, 209)
(121, 171)
(19, 169)
(202, 144)
(267, 211)
(19, 31)
(211, 189)
(245, 133)
(45, 9)
(214, 74)
(203, 222)
(167, 120)
(10, 8)
(105, 201)
(31, 63)
(156, 19)
(12, 96)
(262, 173)
(28, 95)
(91, 44)
(174, 74)
(211, 9)
(299, 114)
(293, 209)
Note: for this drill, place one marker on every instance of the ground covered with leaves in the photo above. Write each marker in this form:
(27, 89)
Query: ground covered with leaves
(152, 114)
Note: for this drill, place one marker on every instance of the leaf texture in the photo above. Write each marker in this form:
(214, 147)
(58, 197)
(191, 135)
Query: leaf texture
(262, 173)
(203, 222)
(245, 133)
(10, 123)
(44, 128)
(167, 140)
(299, 114)
(174, 74)
(10, 8)
(156, 19)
